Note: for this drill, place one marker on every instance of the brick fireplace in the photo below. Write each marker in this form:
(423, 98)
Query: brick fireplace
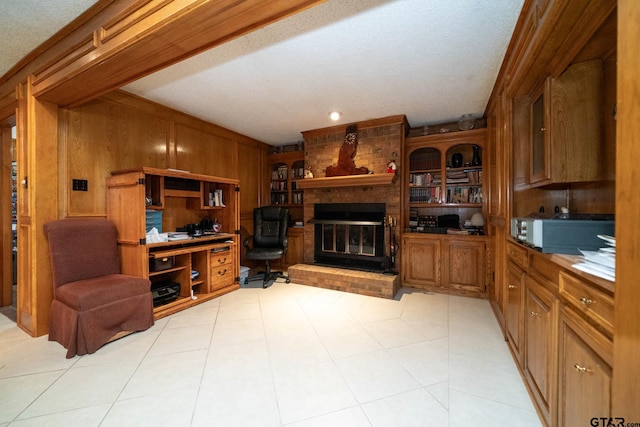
(380, 141)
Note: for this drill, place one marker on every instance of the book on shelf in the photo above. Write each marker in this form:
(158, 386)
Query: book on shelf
(464, 195)
(424, 194)
(215, 198)
(425, 160)
(457, 180)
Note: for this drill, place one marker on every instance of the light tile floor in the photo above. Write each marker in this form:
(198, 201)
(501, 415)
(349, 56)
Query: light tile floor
(290, 355)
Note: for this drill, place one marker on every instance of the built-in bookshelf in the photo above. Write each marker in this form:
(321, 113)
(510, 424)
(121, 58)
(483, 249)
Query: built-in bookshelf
(444, 177)
(287, 169)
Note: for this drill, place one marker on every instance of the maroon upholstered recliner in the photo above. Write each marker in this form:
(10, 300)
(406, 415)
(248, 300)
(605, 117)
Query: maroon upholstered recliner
(93, 303)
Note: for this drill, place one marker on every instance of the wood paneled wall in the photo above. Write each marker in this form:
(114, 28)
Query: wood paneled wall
(120, 131)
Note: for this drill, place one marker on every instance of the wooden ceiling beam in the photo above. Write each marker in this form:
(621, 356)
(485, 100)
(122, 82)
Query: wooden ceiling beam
(128, 40)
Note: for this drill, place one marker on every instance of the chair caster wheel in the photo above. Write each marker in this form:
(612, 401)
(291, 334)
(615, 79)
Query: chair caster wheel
(287, 281)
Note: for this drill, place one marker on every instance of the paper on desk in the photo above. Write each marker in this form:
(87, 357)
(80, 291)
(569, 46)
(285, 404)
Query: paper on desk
(154, 237)
(597, 270)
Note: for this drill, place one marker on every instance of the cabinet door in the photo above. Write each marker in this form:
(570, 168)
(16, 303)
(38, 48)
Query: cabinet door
(584, 390)
(296, 247)
(539, 154)
(421, 262)
(465, 265)
(540, 324)
(514, 309)
(521, 141)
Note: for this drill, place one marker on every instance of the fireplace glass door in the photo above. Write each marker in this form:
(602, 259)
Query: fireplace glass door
(349, 239)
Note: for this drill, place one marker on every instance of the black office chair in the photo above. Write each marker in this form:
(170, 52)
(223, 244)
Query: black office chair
(269, 241)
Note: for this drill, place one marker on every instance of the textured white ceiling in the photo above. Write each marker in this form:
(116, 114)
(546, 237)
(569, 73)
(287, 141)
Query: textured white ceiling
(432, 60)
(25, 24)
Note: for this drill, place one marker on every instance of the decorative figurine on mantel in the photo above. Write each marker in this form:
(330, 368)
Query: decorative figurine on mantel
(307, 173)
(391, 166)
(349, 149)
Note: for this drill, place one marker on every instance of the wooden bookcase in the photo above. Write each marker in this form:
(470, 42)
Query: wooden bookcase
(444, 176)
(286, 174)
(182, 198)
(286, 169)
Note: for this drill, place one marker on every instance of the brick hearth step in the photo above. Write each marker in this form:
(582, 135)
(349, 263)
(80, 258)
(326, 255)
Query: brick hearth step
(341, 279)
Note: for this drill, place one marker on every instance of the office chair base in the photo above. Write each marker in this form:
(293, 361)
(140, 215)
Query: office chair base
(267, 279)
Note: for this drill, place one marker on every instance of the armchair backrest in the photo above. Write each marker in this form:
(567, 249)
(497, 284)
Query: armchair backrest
(82, 249)
(270, 226)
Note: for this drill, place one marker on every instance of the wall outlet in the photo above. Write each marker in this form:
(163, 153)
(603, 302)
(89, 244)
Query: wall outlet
(80, 185)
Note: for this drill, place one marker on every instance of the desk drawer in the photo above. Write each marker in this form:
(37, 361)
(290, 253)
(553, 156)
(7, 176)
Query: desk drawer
(594, 303)
(518, 255)
(221, 258)
(222, 276)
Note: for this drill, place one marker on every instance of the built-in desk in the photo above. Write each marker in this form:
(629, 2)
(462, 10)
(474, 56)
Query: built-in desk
(168, 199)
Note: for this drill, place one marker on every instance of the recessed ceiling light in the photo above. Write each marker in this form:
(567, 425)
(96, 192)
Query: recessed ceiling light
(335, 115)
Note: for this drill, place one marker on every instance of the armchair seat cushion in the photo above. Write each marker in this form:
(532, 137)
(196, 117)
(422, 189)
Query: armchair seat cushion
(99, 291)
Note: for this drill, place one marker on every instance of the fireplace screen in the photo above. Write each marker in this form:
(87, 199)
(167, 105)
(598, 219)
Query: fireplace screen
(349, 239)
(349, 235)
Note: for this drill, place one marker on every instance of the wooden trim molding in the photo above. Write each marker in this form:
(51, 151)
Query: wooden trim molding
(384, 121)
(116, 43)
(368, 180)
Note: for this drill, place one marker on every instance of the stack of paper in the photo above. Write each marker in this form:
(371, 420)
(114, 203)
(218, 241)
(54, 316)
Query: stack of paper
(601, 263)
(178, 236)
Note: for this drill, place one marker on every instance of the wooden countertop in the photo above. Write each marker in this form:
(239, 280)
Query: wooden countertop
(566, 262)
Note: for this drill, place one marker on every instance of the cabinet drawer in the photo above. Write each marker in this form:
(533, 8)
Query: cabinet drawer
(518, 255)
(594, 303)
(221, 258)
(221, 276)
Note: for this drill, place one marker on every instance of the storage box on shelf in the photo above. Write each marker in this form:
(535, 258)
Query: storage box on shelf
(444, 181)
(200, 268)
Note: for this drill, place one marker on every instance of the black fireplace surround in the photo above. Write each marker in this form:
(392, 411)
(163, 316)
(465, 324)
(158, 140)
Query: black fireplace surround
(349, 235)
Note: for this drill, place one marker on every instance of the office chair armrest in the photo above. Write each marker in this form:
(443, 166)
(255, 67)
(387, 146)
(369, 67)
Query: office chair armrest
(285, 244)
(245, 243)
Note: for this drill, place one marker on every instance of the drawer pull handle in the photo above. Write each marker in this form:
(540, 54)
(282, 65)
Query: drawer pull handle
(512, 286)
(222, 261)
(586, 301)
(222, 273)
(534, 314)
(581, 369)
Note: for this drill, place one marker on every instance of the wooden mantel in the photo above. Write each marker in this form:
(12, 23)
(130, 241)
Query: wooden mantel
(367, 180)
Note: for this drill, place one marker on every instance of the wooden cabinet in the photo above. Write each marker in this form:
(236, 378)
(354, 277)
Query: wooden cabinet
(202, 267)
(286, 170)
(222, 268)
(444, 180)
(514, 312)
(445, 263)
(421, 262)
(559, 325)
(465, 265)
(558, 132)
(584, 380)
(540, 326)
(295, 249)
